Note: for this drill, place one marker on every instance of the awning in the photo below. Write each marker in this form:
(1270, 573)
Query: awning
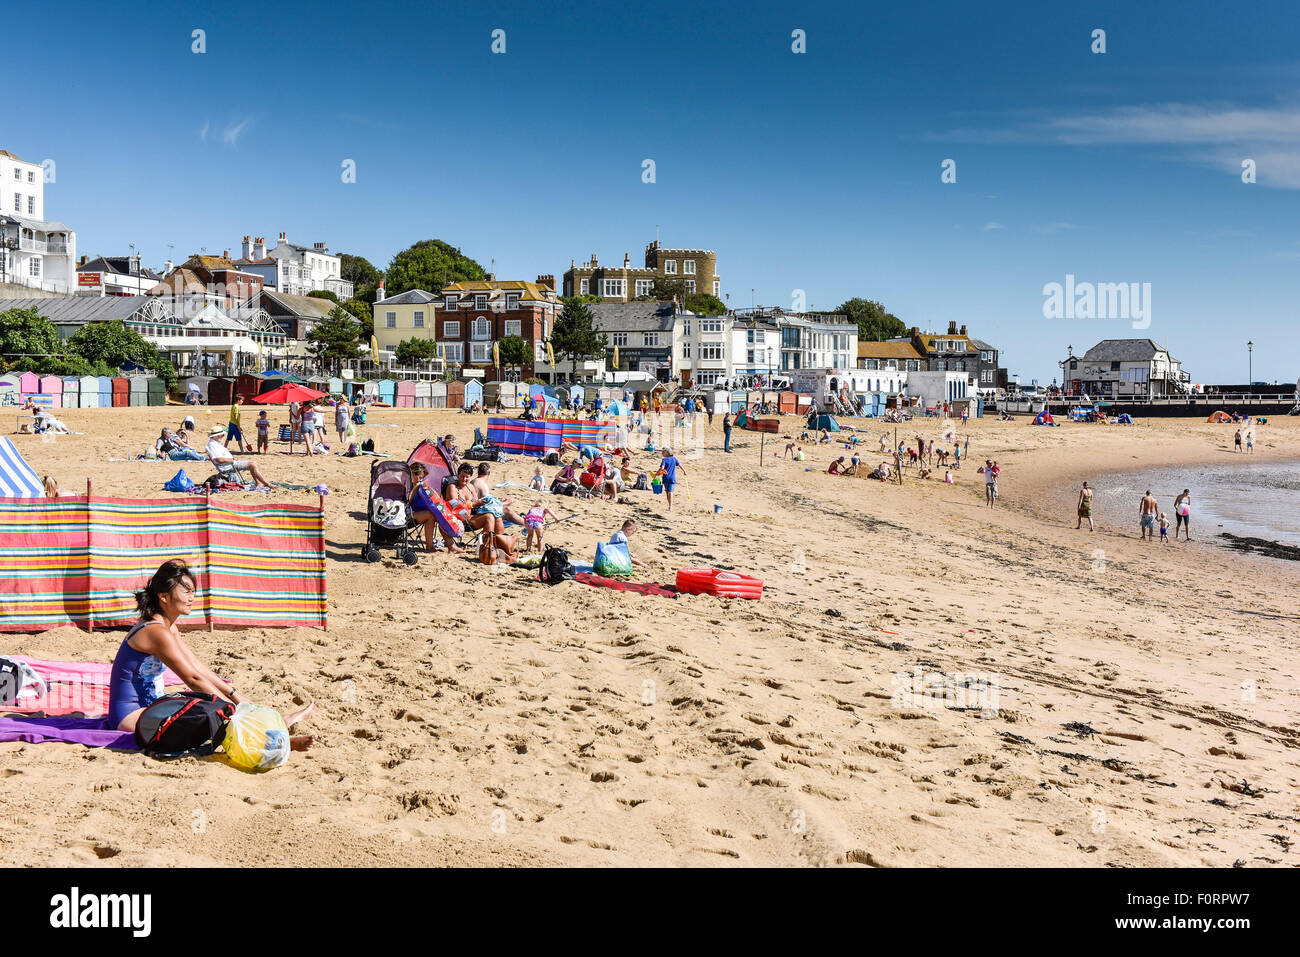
(205, 344)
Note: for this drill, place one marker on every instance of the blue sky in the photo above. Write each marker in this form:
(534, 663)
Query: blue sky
(817, 171)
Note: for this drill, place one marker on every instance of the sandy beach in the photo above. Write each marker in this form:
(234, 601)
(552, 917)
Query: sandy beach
(1110, 702)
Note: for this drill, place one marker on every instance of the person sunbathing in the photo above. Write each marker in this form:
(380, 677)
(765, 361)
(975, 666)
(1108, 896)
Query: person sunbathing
(483, 489)
(175, 448)
(155, 644)
(484, 515)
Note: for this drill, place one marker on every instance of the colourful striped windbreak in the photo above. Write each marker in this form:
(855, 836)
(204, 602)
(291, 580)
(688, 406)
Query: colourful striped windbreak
(78, 560)
(522, 437)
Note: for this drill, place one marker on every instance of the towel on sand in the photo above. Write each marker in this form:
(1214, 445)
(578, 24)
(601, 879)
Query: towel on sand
(92, 732)
(73, 686)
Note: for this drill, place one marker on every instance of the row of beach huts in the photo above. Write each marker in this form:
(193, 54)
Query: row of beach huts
(82, 392)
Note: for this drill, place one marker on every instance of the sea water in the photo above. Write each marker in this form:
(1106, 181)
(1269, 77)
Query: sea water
(1254, 499)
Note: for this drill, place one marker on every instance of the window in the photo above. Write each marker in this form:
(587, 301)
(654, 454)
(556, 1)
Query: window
(1114, 367)
(585, 285)
(31, 177)
(686, 350)
(479, 352)
(18, 202)
(715, 287)
(708, 378)
(644, 286)
(449, 302)
(690, 285)
(686, 327)
(481, 330)
(417, 319)
(612, 288)
(18, 175)
(749, 356)
(451, 330)
(650, 339)
(618, 338)
(514, 327)
(452, 351)
(688, 267)
(35, 268)
(711, 350)
(390, 320)
(710, 325)
(670, 267)
(480, 301)
(512, 301)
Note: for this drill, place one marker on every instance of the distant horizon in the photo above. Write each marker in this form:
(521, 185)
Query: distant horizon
(949, 163)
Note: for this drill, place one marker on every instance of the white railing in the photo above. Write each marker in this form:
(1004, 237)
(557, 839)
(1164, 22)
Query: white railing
(57, 246)
(340, 287)
(32, 282)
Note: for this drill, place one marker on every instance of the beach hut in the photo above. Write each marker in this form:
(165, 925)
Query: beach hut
(52, 386)
(321, 383)
(604, 393)
(370, 389)
(104, 385)
(738, 400)
(405, 394)
(473, 393)
(139, 389)
(88, 392)
(579, 393)
(247, 386)
(388, 391)
(121, 392)
(157, 390)
(438, 395)
(788, 403)
(424, 395)
(9, 390)
(221, 391)
(29, 383)
(71, 392)
(335, 385)
(456, 394)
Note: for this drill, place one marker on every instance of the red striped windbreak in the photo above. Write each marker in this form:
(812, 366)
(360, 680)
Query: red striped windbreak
(74, 560)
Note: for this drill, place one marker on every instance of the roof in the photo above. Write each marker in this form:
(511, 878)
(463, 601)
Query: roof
(631, 316)
(118, 265)
(40, 225)
(179, 281)
(1123, 350)
(496, 288)
(77, 310)
(888, 350)
(928, 338)
(412, 297)
(208, 262)
(279, 304)
(982, 346)
(210, 317)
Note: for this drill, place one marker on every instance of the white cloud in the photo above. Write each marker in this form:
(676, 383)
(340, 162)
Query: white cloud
(990, 226)
(233, 132)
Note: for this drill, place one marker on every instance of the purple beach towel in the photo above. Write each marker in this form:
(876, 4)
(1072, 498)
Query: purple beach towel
(92, 732)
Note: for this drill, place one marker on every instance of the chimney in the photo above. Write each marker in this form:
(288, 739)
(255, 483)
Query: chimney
(963, 330)
(225, 254)
(168, 267)
(546, 282)
(952, 327)
(491, 277)
(627, 260)
(284, 239)
(248, 247)
(915, 330)
(379, 293)
(319, 247)
(84, 260)
(259, 247)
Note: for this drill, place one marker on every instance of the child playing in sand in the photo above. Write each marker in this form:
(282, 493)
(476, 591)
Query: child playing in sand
(263, 433)
(535, 522)
(947, 477)
(1164, 528)
(620, 538)
(538, 483)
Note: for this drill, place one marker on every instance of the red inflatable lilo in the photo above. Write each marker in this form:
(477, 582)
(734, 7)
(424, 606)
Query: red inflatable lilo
(711, 581)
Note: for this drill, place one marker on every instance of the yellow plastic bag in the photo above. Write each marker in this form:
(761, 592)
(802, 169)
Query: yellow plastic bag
(257, 738)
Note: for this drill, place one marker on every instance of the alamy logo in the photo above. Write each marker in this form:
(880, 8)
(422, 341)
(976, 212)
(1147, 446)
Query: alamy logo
(73, 910)
(1102, 300)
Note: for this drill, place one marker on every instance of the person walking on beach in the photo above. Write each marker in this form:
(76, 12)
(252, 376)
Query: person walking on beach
(1147, 512)
(668, 467)
(1085, 507)
(1236, 442)
(990, 482)
(726, 432)
(1250, 441)
(1183, 514)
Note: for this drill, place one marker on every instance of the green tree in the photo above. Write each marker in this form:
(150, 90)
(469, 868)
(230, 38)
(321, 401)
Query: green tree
(574, 335)
(364, 277)
(114, 345)
(515, 353)
(334, 339)
(411, 352)
(365, 313)
(429, 264)
(875, 324)
(325, 294)
(666, 290)
(27, 332)
(703, 304)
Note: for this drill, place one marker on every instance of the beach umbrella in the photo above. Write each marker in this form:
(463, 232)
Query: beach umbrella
(290, 392)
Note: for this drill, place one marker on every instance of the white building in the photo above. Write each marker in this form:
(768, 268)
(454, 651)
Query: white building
(293, 269)
(115, 276)
(936, 388)
(33, 252)
(1125, 367)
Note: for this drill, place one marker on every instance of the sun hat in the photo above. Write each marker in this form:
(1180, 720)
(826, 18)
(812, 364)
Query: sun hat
(217, 430)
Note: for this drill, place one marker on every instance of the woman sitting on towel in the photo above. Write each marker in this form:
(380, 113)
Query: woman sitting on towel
(155, 644)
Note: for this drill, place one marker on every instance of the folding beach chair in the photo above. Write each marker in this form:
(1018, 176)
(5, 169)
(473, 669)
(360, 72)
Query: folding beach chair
(226, 469)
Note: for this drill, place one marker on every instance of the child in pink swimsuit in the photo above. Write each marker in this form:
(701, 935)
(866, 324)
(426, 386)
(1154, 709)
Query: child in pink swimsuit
(535, 523)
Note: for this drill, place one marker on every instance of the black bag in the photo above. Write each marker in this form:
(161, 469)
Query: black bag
(553, 459)
(368, 445)
(562, 488)
(188, 722)
(556, 567)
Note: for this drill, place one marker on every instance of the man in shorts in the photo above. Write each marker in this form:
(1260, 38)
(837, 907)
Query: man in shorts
(1147, 513)
(990, 482)
(217, 452)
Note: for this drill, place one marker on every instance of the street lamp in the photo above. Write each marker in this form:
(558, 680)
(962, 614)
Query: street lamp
(1250, 375)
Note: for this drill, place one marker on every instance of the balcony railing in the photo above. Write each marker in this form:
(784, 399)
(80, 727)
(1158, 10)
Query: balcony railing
(49, 246)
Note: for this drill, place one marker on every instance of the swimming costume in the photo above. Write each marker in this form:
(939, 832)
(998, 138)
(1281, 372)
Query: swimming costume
(534, 519)
(135, 681)
(1085, 508)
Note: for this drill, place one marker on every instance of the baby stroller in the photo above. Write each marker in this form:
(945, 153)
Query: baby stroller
(388, 516)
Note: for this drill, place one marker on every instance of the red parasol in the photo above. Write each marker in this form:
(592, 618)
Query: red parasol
(290, 392)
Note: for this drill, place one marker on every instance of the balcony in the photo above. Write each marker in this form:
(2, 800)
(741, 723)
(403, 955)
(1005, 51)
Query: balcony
(57, 247)
(340, 287)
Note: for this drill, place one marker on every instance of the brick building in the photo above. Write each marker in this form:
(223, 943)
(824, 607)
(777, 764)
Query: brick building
(696, 268)
(469, 317)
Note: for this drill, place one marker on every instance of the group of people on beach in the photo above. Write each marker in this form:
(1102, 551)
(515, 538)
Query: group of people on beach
(1149, 515)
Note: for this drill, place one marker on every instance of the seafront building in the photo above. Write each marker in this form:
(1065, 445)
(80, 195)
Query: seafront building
(1125, 368)
(34, 252)
(115, 276)
(696, 268)
(293, 269)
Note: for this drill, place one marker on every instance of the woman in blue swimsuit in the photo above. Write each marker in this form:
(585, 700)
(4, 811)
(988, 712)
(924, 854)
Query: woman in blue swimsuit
(155, 644)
